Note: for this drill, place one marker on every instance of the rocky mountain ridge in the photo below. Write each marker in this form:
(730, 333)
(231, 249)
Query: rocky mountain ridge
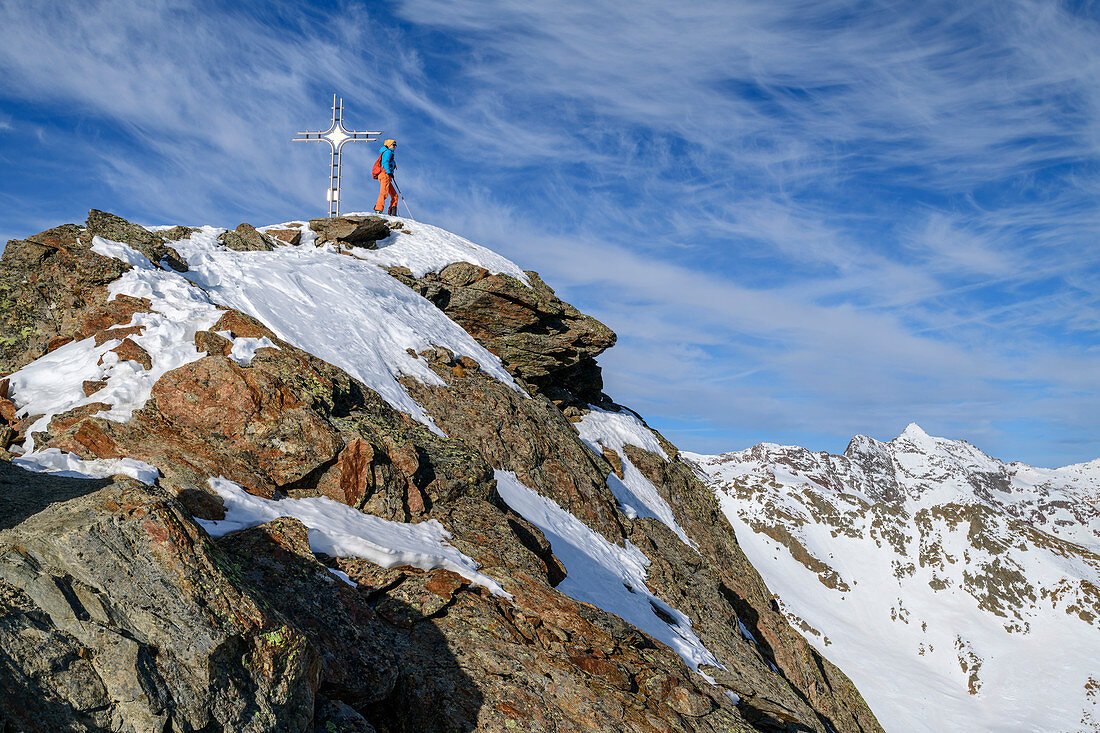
(353, 475)
(952, 567)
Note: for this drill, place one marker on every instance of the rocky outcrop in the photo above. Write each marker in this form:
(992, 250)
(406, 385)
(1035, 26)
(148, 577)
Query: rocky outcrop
(150, 244)
(245, 238)
(779, 678)
(290, 236)
(53, 289)
(149, 624)
(543, 340)
(353, 231)
(117, 612)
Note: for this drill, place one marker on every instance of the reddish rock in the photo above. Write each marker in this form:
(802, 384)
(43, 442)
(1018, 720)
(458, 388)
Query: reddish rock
(118, 311)
(87, 440)
(242, 325)
(65, 420)
(688, 703)
(613, 458)
(444, 583)
(102, 337)
(213, 343)
(603, 669)
(7, 411)
(129, 350)
(468, 363)
(57, 342)
(352, 481)
(247, 413)
(91, 386)
(290, 236)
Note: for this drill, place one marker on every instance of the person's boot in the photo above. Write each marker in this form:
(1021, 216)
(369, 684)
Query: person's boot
(393, 210)
(378, 211)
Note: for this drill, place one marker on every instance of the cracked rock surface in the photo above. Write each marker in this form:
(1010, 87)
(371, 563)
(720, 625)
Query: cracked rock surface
(119, 612)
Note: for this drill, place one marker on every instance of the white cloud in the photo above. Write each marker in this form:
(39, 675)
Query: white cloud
(818, 216)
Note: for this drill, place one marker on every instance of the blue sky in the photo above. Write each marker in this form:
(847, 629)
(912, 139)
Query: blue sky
(805, 220)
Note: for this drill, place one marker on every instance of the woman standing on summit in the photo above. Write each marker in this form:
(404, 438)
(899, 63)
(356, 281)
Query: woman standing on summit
(383, 171)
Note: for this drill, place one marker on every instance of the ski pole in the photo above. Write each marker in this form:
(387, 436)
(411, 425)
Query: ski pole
(402, 196)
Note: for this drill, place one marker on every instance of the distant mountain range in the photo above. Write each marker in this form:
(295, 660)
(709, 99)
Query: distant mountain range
(957, 591)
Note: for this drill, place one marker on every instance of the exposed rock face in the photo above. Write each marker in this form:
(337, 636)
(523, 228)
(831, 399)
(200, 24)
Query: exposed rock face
(53, 290)
(355, 231)
(290, 236)
(117, 612)
(718, 589)
(245, 238)
(146, 623)
(548, 343)
(109, 226)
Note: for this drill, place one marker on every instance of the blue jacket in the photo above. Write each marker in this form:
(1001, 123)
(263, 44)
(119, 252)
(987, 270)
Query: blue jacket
(388, 163)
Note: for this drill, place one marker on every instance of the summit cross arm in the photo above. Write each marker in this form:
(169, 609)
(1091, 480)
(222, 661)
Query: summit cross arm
(336, 136)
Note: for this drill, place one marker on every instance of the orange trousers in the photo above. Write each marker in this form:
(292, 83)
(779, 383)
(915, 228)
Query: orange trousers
(387, 189)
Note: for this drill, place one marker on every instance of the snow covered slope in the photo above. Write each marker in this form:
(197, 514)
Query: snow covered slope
(958, 592)
(340, 304)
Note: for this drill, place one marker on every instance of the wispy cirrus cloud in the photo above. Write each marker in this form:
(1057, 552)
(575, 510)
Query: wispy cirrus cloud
(805, 219)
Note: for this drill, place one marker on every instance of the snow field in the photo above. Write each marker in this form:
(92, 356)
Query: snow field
(607, 576)
(429, 249)
(637, 496)
(341, 531)
(1031, 679)
(345, 310)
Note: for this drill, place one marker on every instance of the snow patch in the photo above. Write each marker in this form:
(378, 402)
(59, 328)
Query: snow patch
(616, 429)
(344, 577)
(56, 463)
(637, 495)
(244, 348)
(603, 574)
(340, 531)
(426, 248)
(53, 383)
(345, 310)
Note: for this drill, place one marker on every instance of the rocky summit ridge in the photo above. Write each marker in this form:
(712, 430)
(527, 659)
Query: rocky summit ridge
(354, 474)
(973, 583)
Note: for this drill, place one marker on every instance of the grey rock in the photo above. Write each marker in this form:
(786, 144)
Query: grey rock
(140, 623)
(542, 339)
(150, 244)
(245, 238)
(355, 231)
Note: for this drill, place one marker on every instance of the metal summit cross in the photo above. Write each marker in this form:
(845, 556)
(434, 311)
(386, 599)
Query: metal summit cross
(335, 136)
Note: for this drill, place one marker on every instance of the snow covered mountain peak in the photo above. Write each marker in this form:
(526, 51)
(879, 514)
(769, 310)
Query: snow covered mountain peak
(950, 568)
(374, 461)
(914, 432)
